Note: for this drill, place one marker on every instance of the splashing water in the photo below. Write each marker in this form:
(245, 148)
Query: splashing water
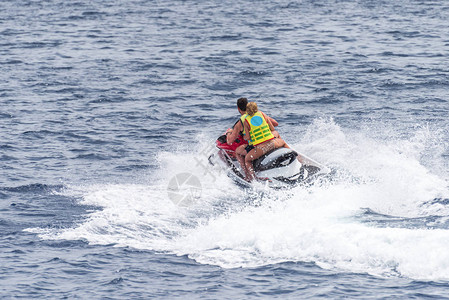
(383, 211)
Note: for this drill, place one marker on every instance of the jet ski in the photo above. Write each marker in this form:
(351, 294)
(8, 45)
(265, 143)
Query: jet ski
(279, 168)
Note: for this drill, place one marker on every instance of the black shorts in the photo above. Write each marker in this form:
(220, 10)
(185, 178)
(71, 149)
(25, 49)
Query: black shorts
(249, 148)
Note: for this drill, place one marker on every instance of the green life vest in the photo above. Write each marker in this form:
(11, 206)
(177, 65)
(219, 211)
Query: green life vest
(259, 130)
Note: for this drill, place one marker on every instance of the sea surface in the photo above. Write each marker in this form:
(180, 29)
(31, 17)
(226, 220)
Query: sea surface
(105, 106)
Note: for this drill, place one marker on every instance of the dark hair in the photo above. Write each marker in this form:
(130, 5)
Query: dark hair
(241, 103)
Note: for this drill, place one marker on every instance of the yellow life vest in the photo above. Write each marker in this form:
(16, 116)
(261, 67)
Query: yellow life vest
(242, 120)
(259, 130)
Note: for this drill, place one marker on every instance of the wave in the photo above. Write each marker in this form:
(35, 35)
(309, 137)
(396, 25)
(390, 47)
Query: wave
(33, 188)
(384, 211)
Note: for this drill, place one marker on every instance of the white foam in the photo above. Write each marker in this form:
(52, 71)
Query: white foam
(231, 227)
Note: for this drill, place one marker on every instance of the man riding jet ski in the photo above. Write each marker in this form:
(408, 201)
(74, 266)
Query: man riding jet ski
(239, 130)
(270, 158)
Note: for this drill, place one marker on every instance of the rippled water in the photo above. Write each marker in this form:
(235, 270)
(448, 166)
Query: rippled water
(104, 102)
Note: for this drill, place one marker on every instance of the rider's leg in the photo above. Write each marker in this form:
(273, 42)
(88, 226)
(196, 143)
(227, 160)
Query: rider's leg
(240, 154)
(257, 152)
(279, 143)
(278, 140)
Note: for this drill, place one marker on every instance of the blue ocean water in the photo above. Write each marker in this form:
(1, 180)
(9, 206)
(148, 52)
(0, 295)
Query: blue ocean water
(103, 103)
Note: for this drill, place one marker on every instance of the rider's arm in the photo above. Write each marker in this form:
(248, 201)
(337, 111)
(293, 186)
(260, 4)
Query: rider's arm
(273, 121)
(246, 136)
(269, 122)
(230, 138)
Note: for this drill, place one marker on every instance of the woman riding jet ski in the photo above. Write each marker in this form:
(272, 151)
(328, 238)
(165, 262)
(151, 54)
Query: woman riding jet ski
(259, 137)
(268, 158)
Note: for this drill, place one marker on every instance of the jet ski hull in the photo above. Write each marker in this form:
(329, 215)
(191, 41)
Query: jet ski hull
(280, 168)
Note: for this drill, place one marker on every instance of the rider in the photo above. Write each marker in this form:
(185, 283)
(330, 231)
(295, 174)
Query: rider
(259, 129)
(233, 134)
